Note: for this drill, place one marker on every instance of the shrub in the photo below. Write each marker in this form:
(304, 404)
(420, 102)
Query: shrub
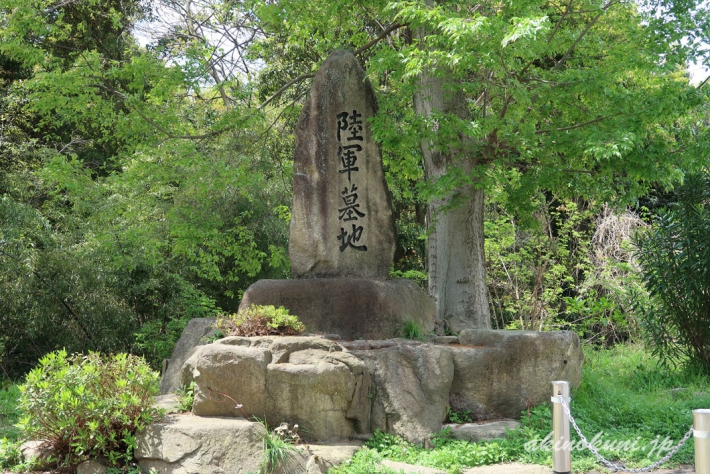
(88, 405)
(261, 321)
(675, 256)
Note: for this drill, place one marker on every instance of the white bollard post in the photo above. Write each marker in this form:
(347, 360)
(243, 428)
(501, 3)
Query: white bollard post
(561, 443)
(701, 437)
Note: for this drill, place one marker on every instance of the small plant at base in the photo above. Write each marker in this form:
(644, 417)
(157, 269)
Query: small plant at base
(186, 397)
(276, 447)
(290, 435)
(458, 417)
(10, 454)
(442, 437)
(411, 329)
(261, 321)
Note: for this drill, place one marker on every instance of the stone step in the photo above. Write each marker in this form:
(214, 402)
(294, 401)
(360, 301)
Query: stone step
(476, 432)
(410, 468)
(508, 468)
(189, 444)
(182, 444)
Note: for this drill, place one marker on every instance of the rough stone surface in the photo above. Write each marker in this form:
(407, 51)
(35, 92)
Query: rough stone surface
(237, 371)
(304, 380)
(186, 444)
(411, 391)
(410, 468)
(353, 308)
(170, 403)
(92, 466)
(40, 451)
(325, 393)
(348, 388)
(500, 373)
(317, 458)
(475, 432)
(342, 223)
(335, 452)
(515, 467)
(194, 334)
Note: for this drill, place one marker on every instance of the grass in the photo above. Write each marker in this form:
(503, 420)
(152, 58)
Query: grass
(9, 433)
(624, 394)
(9, 414)
(411, 329)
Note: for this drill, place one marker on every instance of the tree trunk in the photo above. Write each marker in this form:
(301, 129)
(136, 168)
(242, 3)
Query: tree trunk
(455, 253)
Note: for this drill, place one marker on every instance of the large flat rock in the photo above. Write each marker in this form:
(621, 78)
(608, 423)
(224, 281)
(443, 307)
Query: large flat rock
(499, 373)
(346, 388)
(352, 308)
(187, 444)
(476, 432)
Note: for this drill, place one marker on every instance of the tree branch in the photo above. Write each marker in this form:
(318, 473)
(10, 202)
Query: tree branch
(159, 127)
(382, 36)
(559, 23)
(583, 34)
(579, 125)
(286, 86)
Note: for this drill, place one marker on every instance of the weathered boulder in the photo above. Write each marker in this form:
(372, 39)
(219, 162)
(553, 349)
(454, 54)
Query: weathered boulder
(352, 308)
(221, 371)
(499, 373)
(39, 452)
(195, 333)
(304, 380)
(169, 402)
(185, 444)
(342, 223)
(411, 388)
(399, 386)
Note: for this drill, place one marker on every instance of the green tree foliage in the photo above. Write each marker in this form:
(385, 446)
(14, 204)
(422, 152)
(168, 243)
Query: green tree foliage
(675, 256)
(575, 270)
(134, 197)
(583, 99)
(143, 186)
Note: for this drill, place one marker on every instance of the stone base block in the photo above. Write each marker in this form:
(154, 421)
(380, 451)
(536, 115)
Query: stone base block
(305, 380)
(476, 432)
(345, 388)
(352, 308)
(498, 373)
(185, 444)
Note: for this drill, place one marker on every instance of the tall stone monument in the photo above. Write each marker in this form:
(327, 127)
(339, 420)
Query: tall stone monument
(342, 236)
(342, 223)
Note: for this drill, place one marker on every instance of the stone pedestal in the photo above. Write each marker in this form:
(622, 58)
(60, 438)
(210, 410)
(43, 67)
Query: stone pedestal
(351, 308)
(344, 388)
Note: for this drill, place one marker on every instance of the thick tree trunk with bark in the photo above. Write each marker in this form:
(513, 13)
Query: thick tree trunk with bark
(455, 250)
